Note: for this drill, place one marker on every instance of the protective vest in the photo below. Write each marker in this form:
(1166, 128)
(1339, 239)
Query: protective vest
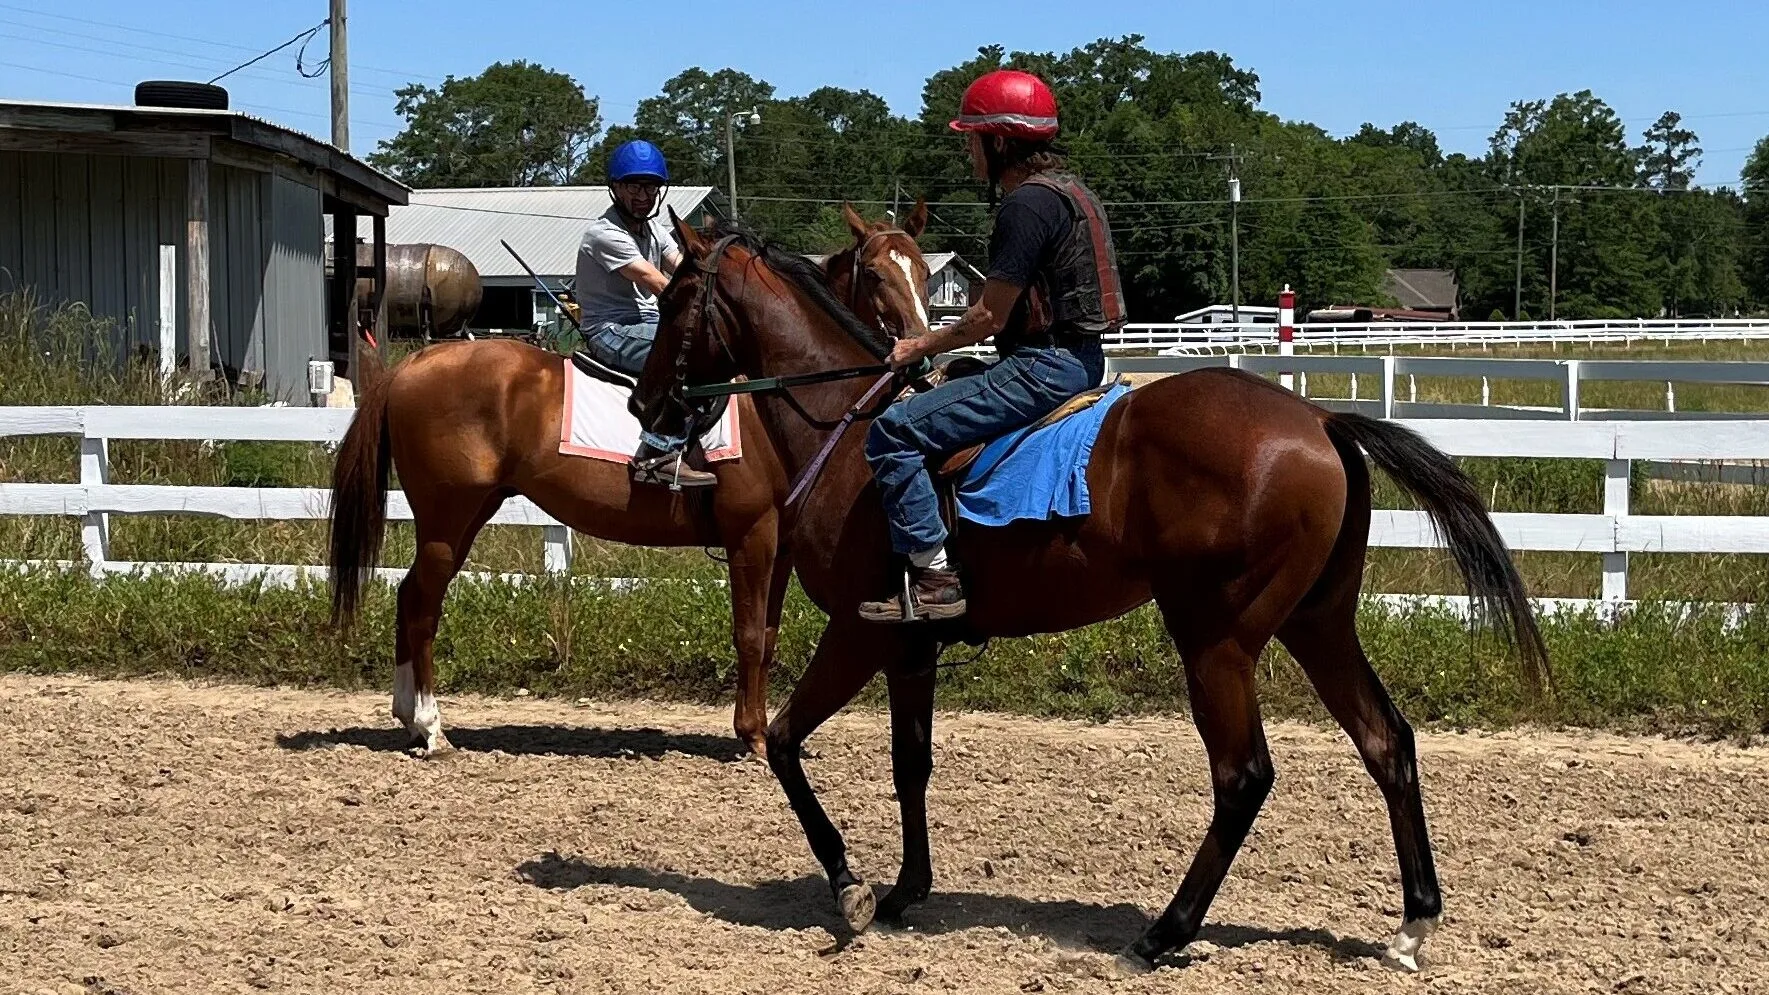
(1077, 291)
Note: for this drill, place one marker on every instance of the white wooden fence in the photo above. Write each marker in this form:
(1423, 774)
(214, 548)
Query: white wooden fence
(1335, 336)
(1388, 386)
(1614, 533)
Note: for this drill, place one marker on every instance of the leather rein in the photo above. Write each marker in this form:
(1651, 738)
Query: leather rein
(867, 406)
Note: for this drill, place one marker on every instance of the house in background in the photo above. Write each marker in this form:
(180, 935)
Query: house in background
(108, 206)
(949, 284)
(544, 224)
(1425, 290)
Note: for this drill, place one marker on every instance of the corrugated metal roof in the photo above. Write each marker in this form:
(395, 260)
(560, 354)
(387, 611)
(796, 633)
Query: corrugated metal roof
(936, 261)
(1421, 288)
(316, 151)
(544, 224)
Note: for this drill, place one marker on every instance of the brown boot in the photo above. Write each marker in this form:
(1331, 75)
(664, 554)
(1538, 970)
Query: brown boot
(670, 470)
(934, 596)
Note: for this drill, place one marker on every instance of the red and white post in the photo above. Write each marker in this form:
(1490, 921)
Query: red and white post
(1287, 333)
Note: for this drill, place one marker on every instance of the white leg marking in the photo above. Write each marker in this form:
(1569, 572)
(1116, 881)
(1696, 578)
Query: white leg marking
(1403, 950)
(405, 694)
(427, 722)
(915, 292)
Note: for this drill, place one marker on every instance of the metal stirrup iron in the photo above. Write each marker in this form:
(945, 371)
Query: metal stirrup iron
(908, 598)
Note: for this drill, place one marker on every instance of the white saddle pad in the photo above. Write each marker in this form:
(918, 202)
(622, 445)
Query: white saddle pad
(597, 424)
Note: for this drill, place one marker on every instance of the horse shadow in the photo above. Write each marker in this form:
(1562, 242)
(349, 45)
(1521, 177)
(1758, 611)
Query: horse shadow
(804, 902)
(532, 740)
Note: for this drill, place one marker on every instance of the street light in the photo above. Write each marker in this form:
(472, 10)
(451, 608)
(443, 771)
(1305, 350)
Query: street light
(755, 117)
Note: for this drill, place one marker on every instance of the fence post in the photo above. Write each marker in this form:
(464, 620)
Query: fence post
(1287, 332)
(1569, 391)
(1615, 504)
(1670, 397)
(1486, 392)
(168, 315)
(1387, 386)
(558, 549)
(95, 529)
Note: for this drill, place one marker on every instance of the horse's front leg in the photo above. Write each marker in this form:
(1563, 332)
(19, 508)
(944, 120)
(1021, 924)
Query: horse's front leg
(755, 558)
(912, 764)
(846, 658)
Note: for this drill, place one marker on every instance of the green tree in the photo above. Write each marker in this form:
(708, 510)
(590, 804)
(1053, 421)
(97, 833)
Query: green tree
(1755, 223)
(1670, 156)
(515, 124)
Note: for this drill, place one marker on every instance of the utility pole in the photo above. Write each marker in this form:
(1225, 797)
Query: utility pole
(755, 117)
(1554, 258)
(340, 72)
(1234, 224)
(1517, 296)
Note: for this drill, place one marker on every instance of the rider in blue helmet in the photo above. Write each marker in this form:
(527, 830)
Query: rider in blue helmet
(623, 263)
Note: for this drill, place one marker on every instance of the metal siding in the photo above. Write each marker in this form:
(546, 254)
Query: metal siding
(141, 248)
(109, 269)
(37, 210)
(73, 244)
(12, 238)
(295, 327)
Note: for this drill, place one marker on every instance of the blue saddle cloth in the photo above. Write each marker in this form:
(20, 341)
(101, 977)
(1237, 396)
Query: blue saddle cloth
(1036, 473)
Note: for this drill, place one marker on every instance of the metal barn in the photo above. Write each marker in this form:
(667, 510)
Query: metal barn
(209, 220)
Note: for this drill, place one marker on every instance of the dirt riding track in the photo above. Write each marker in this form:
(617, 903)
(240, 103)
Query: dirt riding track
(159, 837)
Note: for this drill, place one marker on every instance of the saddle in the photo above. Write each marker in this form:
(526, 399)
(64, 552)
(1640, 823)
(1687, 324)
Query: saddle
(589, 367)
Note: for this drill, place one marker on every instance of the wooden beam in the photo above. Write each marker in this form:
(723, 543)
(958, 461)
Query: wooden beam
(196, 282)
(341, 316)
(171, 145)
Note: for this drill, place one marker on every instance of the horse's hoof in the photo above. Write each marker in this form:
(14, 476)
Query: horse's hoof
(1131, 964)
(430, 747)
(1404, 950)
(898, 901)
(858, 906)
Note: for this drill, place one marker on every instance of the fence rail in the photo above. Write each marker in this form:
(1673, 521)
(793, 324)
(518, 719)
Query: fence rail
(1613, 534)
(1245, 336)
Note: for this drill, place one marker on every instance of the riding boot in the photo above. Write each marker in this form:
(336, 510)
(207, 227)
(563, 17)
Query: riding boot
(930, 596)
(655, 466)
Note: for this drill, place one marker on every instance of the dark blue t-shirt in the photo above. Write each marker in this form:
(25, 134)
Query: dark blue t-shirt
(1029, 228)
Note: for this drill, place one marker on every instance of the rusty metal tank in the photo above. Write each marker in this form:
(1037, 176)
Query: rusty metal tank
(432, 290)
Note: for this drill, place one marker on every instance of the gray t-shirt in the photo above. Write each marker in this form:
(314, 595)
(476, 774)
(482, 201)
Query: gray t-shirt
(605, 296)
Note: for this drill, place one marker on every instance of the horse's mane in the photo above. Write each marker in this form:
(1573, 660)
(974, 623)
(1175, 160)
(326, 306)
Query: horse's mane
(804, 274)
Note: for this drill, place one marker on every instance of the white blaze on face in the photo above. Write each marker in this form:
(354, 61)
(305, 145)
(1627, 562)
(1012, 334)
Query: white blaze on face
(908, 267)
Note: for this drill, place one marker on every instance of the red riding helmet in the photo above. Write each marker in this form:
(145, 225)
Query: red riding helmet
(1008, 103)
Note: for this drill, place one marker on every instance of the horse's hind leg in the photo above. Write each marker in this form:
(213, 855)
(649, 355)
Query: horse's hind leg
(1323, 639)
(446, 527)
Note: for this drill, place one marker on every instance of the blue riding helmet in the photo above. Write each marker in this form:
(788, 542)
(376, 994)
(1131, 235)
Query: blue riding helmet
(638, 159)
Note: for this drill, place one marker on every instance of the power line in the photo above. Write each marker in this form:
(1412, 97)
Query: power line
(303, 38)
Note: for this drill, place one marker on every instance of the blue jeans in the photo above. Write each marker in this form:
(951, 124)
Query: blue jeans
(624, 348)
(1020, 389)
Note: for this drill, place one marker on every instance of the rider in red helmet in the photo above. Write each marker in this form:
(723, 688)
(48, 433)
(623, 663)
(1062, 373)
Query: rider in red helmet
(1052, 289)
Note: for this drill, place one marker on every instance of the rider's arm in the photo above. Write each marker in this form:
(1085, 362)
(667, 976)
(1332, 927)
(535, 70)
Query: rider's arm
(981, 320)
(645, 276)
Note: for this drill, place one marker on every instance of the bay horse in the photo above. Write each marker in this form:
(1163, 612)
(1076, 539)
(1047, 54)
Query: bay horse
(1239, 508)
(469, 424)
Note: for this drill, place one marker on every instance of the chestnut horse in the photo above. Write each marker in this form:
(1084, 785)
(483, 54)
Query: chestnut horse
(1239, 508)
(468, 424)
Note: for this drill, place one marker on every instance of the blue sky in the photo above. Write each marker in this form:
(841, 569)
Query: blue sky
(1453, 68)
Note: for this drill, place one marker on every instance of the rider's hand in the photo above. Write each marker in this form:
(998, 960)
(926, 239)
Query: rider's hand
(906, 353)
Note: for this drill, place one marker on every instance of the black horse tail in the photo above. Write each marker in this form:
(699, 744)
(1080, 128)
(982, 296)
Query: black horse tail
(1433, 480)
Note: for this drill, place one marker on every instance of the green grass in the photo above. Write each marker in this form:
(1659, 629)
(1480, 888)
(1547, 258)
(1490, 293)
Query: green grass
(1657, 670)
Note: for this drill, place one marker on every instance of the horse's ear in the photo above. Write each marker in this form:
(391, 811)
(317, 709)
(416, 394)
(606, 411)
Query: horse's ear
(693, 246)
(917, 220)
(856, 224)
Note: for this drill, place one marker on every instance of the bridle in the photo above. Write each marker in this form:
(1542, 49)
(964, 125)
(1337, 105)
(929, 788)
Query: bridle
(685, 394)
(853, 301)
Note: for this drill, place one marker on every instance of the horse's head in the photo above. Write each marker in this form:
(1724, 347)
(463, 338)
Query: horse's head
(882, 277)
(737, 305)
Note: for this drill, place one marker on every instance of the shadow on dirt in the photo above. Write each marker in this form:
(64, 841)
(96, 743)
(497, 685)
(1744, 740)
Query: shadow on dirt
(533, 740)
(805, 902)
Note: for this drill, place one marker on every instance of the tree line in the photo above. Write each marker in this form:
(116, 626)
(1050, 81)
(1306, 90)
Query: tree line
(1564, 214)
